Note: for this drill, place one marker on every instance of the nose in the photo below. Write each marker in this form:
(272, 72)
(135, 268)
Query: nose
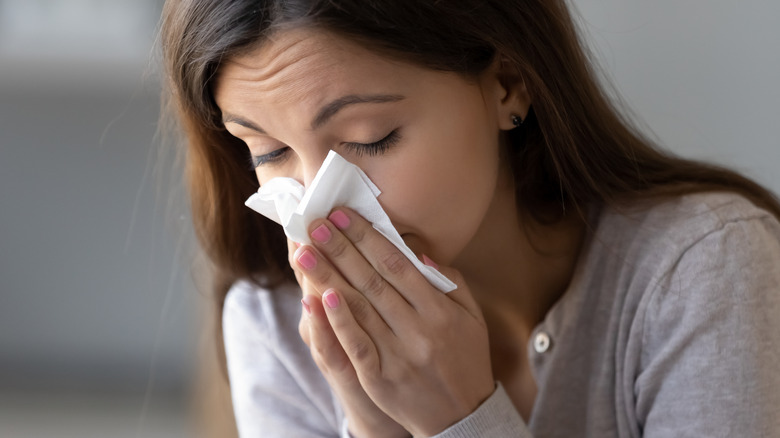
(309, 163)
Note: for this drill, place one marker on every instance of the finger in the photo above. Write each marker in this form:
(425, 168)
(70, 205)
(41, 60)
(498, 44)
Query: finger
(303, 329)
(391, 264)
(291, 248)
(462, 295)
(357, 344)
(359, 273)
(321, 275)
(324, 344)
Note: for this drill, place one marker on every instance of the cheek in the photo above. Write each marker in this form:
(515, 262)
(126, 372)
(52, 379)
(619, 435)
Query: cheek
(441, 196)
(457, 209)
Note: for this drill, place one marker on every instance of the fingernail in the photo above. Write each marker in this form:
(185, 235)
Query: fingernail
(307, 259)
(331, 299)
(321, 234)
(339, 219)
(306, 306)
(429, 262)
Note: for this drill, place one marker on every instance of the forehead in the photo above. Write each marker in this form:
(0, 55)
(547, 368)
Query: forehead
(308, 67)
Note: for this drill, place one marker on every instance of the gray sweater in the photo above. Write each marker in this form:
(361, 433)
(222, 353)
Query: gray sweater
(669, 328)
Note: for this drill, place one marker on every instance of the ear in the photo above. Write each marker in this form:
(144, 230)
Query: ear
(508, 92)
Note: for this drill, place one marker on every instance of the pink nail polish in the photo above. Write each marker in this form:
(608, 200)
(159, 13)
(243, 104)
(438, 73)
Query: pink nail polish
(321, 234)
(306, 307)
(307, 259)
(429, 262)
(339, 219)
(331, 299)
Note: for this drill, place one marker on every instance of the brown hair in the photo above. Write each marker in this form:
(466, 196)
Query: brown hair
(575, 149)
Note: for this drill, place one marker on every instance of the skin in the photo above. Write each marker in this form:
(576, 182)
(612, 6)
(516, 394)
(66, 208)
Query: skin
(403, 357)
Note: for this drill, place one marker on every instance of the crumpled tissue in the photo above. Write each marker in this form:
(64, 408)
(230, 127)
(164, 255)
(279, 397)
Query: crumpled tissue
(337, 183)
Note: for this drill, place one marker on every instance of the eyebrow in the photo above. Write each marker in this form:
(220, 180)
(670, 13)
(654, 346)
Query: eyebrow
(330, 110)
(326, 112)
(230, 118)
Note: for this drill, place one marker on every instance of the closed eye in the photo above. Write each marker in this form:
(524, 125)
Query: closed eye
(276, 156)
(376, 148)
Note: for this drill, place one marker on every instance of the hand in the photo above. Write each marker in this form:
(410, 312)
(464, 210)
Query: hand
(421, 355)
(364, 418)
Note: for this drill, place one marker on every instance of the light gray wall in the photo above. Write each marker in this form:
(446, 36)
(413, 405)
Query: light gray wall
(703, 74)
(88, 258)
(93, 294)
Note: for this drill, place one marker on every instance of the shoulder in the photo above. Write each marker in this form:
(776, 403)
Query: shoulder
(680, 298)
(686, 265)
(707, 324)
(721, 260)
(710, 246)
(696, 267)
(656, 236)
(269, 315)
(697, 248)
(684, 219)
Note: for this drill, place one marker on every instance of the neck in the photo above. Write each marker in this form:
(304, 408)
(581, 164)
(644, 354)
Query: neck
(517, 267)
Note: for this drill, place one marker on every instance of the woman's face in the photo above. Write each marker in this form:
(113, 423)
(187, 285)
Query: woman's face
(429, 140)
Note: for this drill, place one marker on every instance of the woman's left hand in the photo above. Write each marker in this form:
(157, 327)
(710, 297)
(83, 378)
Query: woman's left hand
(421, 355)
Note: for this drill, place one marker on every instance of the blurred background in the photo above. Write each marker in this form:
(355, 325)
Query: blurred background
(99, 328)
(104, 329)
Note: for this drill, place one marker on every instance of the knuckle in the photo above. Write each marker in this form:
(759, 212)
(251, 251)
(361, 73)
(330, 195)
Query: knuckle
(439, 319)
(322, 352)
(360, 351)
(394, 263)
(424, 352)
(360, 309)
(373, 285)
(339, 248)
(324, 276)
(340, 369)
(358, 235)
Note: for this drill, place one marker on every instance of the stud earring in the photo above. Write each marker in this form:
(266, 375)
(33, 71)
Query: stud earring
(517, 121)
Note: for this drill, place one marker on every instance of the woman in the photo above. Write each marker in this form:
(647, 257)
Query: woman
(605, 288)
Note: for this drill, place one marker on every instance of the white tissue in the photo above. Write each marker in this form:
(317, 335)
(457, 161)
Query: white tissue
(337, 183)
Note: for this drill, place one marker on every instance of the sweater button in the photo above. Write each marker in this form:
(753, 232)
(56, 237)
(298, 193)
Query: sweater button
(541, 342)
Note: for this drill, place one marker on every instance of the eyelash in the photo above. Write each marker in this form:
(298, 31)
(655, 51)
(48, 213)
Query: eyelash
(272, 157)
(375, 148)
(371, 149)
